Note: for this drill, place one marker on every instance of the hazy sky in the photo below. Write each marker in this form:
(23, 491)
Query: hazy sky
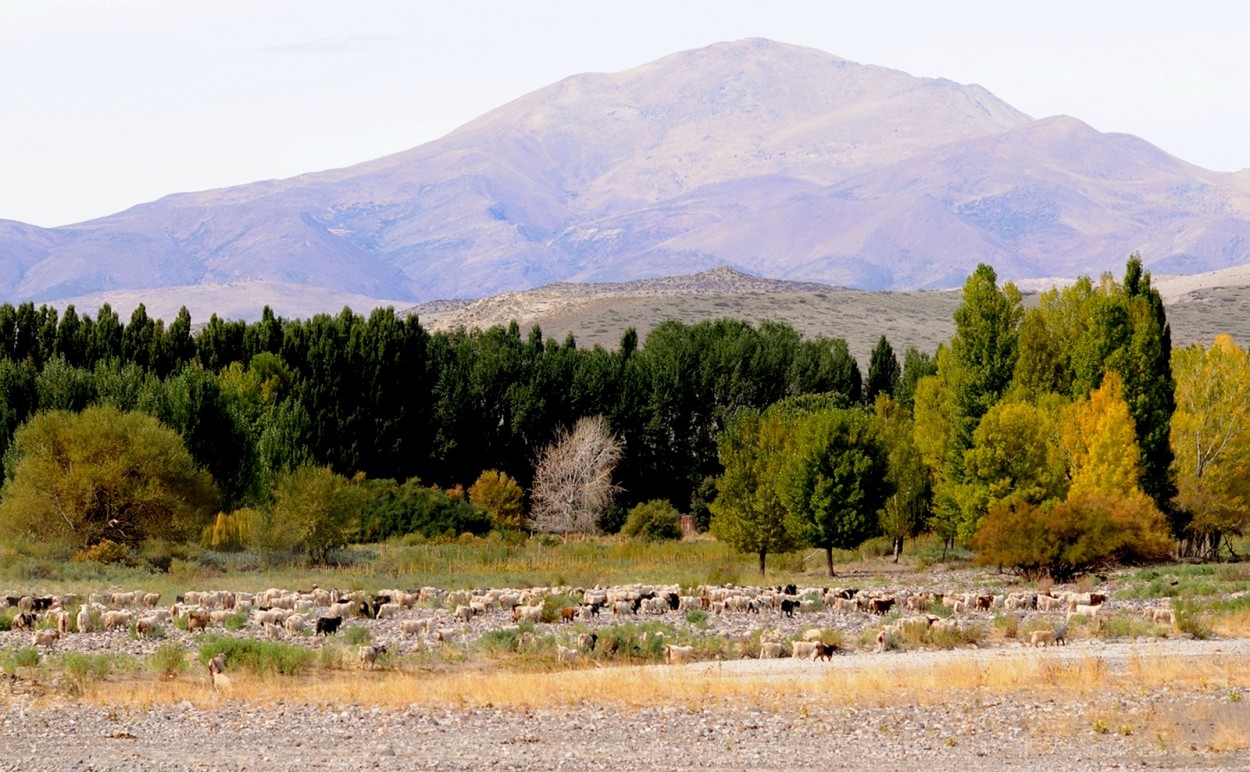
(106, 104)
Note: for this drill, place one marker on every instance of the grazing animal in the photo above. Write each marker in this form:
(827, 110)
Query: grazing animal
(1042, 638)
(825, 651)
(328, 625)
(802, 649)
(881, 606)
(23, 621)
(198, 619)
(587, 641)
(788, 607)
(568, 613)
(677, 655)
(45, 638)
(369, 655)
(770, 650)
(565, 654)
(217, 672)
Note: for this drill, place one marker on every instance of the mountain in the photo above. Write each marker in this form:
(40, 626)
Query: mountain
(777, 160)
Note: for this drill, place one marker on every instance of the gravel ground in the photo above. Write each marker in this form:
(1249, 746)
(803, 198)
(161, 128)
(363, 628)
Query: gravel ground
(985, 731)
(1157, 728)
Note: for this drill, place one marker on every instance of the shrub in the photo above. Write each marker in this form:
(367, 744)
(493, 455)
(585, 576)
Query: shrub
(655, 520)
(169, 660)
(104, 551)
(259, 657)
(229, 532)
(1072, 537)
(696, 616)
(356, 635)
(397, 510)
(11, 660)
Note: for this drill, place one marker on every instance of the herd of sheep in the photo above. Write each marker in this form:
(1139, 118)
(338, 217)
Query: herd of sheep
(782, 621)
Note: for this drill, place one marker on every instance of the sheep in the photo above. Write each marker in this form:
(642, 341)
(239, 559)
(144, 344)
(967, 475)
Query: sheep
(146, 626)
(295, 624)
(587, 641)
(198, 619)
(527, 614)
(23, 621)
(1160, 615)
(677, 655)
(1089, 612)
(568, 613)
(389, 610)
(1048, 603)
(1041, 637)
(45, 638)
(83, 620)
(802, 649)
(412, 627)
(369, 655)
(114, 620)
(151, 599)
(881, 606)
(770, 650)
(813, 634)
(564, 654)
(464, 613)
(273, 632)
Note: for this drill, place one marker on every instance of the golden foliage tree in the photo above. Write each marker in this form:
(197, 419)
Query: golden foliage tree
(501, 497)
(1210, 438)
(81, 478)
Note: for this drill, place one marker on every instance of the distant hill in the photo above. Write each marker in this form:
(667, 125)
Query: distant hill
(1198, 307)
(778, 160)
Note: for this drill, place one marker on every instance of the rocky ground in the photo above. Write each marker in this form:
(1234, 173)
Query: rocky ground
(1148, 726)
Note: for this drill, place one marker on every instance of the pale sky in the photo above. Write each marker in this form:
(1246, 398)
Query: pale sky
(107, 104)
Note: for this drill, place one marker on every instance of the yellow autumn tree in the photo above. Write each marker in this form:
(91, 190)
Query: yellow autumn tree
(1106, 518)
(1210, 436)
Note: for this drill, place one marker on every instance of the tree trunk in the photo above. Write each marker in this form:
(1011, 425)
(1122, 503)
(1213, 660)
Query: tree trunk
(762, 554)
(829, 560)
(898, 547)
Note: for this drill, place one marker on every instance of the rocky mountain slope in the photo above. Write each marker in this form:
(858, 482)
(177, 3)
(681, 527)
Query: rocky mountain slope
(778, 160)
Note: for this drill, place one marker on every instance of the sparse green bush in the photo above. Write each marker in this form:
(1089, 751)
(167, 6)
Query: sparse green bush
(357, 635)
(12, 659)
(697, 617)
(235, 622)
(169, 660)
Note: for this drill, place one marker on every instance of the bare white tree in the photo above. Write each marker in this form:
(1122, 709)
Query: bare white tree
(573, 480)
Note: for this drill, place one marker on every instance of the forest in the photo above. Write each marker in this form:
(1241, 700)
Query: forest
(1050, 441)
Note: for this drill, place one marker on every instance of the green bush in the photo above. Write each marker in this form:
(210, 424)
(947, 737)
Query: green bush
(259, 657)
(356, 635)
(12, 659)
(169, 660)
(396, 510)
(655, 520)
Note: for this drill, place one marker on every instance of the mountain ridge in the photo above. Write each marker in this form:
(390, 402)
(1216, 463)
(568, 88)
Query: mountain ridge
(774, 159)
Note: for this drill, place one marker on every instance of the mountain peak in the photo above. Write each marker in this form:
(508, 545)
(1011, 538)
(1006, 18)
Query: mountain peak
(780, 160)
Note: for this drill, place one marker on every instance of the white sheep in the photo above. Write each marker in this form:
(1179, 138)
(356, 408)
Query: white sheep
(770, 650)
(369, 655)
(565, 654)
(802, 649)
(678, 655)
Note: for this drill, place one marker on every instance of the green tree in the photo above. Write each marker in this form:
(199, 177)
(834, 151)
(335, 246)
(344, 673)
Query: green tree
(748, 513)
(916, 365)
(834, 481)
(1016, 455)
(1211, 440)
(905, 510)
(78, 479)
(884, 373)
(314, 511)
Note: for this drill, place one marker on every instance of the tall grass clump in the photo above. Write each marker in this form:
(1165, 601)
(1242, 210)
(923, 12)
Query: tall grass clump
(12, 659)
(169, 660)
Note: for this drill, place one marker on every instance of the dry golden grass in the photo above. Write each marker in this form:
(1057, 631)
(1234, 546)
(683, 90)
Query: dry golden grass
(898, 683)
(1232, 624)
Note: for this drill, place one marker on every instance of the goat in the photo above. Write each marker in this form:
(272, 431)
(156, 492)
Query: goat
(565, 654)
(677, 655)
(825, 651)
(369, 655)
(23, 621)
(328, 625)
(45, 638)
